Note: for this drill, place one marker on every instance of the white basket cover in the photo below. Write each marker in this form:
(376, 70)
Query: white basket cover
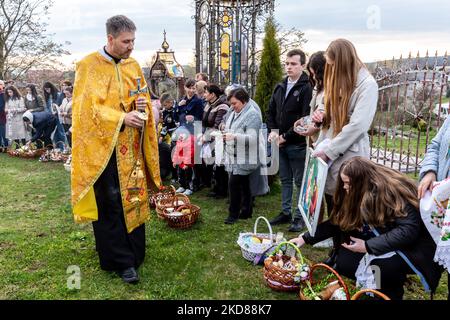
(251, 250)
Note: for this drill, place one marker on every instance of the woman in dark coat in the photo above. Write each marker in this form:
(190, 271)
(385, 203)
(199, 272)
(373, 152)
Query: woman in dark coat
(376, 217)
(215, 110)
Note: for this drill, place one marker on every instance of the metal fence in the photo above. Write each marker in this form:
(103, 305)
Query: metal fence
(412, 105)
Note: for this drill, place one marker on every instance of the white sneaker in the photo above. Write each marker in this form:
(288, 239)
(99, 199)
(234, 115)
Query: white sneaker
(180, 190)
(188, 192)
(328, 243)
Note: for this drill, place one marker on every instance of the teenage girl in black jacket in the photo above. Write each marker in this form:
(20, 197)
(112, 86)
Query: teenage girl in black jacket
(376, 211)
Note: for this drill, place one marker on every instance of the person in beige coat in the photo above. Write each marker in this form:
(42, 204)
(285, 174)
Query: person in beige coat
(351, 96)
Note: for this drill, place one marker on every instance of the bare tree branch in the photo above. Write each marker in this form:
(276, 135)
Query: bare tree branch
(24, 41)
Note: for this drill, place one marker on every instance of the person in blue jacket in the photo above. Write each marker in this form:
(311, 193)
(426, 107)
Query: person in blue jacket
(42, 125)
(190, 104)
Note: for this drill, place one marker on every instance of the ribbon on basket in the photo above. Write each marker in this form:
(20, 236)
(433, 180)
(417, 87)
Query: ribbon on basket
(435, 213)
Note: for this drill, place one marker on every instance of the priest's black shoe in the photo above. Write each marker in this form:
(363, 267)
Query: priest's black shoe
(129, 275)
(297, 226)
(280, 219)
(230, 220)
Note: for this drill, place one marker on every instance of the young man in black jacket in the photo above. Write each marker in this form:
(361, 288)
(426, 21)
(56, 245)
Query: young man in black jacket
(290, 102)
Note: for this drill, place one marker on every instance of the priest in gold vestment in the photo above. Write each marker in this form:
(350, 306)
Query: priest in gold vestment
(113, 164)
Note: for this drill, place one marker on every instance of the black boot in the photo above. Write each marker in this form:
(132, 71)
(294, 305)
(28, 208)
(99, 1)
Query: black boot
(129, 275)
(281, 219)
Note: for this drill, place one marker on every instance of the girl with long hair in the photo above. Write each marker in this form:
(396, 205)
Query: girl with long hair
(377, 221)
(15, 107)
(52, 96)
(33, 101)
(350, 103)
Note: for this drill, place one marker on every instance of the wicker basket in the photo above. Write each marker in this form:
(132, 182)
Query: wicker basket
(176, 201)
(253, 251)
(33, 154)
(310, 282)
(50, 155)
(13, 151)
(182, 220)
(280, 279)
(164, 192)
(357, 295)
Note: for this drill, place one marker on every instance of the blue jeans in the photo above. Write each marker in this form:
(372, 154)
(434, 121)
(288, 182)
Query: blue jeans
(292, 164)
(59, 138)
(3, 140)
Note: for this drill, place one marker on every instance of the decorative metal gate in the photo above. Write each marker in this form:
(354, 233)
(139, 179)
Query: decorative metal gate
(413, 103)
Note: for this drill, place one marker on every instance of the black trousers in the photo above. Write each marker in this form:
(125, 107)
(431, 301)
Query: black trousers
(117, 249)
(220, 181)
(185, 177)
(240, 196)
(393, 271)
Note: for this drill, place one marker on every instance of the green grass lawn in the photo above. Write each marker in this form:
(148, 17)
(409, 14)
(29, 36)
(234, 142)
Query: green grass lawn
(39, 241)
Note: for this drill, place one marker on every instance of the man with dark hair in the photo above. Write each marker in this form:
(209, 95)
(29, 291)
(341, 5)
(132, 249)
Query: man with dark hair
(290, 102)
(115, 150)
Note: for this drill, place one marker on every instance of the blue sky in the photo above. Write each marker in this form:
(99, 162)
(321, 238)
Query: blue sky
(379, 29)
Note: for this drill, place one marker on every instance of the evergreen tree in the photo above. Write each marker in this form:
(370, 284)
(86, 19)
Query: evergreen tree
(270, 69)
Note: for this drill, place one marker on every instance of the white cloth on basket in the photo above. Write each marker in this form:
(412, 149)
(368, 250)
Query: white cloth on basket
(365, 274)
(435, 213)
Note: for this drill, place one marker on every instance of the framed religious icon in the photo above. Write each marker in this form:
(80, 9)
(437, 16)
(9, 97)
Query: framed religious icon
(311, 191)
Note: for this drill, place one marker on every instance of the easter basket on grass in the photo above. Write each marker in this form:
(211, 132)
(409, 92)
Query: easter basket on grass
(171, 204)
(323, 283)
(182, 217)
(164, 192)
(27, 151)
(255, 245)
(369, 292)
(55, 154)
(282, 270)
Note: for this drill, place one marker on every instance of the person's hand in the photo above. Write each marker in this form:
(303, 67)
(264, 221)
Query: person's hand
(133, 120)
(141, 104)
(189, 118)
(311, 129)
(272, 136)
(318, 116)
(426, 183)
(160, 139)
(357, 245)
(281, 140)
(299, 242)
(299, 122)
(320, 154)
(182, 103)
(229, 137)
